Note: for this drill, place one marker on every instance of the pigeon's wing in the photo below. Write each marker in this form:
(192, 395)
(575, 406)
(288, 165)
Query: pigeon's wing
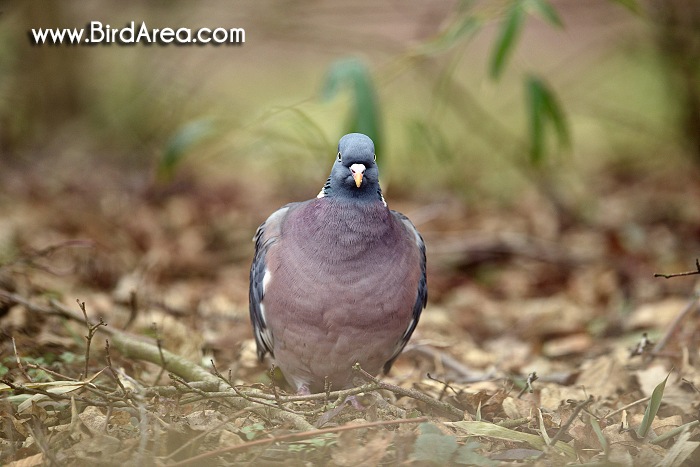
(268, 233)
(421, 288)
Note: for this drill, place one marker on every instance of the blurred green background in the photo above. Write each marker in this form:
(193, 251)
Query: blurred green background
(465, 99)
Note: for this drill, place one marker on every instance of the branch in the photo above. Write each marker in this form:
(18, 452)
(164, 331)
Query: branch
(453, 412)
(676, 324)
(681, 274)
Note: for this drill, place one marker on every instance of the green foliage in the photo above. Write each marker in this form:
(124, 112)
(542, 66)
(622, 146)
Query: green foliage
(652, 408)
(38, 375)
(353, 74)
(490, 430)
(312, 444)
(542, 105)
(599, 434)
(252, 431)
(505, 43)
(544, 112)
(511, 27)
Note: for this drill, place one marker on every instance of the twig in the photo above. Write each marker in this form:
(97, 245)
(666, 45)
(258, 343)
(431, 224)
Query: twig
(531, 378)
(19, 361)
(675, 324)
(133, 310)
(681, 274)
(445, 386)
(632, 404)
(454, 412)
(29, 259)
(39, 436)
(565, 427)
(112, 370)
(92, 329)
(218, 374)
(20, 388)
(55, 374)
(462, 374)
(159, 343)
(205, 433)
(295, 437)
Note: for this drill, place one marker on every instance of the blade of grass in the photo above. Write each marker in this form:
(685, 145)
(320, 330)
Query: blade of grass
(489, 430)
(652, 408)
(599, 433)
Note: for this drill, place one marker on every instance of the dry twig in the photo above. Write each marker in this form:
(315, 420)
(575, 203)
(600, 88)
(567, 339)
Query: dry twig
(453, 412)
(676, 324)
(681, 274)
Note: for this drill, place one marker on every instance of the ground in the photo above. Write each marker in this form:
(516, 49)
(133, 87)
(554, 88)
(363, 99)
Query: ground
(126, 340)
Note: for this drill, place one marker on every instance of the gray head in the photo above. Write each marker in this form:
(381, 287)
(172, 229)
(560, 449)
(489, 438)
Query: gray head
(354, 174)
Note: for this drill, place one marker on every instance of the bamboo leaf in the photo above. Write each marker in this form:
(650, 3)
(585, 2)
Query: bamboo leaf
(535, 113)
(652, 408)
(599, 433)
(489, 430)
(543, 108)
(353, 74)
(506, 40)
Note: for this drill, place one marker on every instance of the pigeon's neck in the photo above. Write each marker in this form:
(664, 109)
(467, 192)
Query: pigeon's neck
(344, 227)
(328, 191)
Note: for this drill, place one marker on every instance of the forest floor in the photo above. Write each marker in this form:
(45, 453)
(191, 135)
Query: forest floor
(546, 339)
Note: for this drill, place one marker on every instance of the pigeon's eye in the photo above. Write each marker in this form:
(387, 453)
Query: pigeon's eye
(340, 158)
(375, 157)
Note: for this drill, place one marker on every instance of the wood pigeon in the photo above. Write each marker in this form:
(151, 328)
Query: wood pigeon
(338, 279)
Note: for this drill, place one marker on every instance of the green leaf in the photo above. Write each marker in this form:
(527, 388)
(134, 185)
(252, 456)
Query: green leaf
(543, 108)
(652, 408)
(353, 74)
(506, 40)
(489, 430)
(251, 431)
(186, 137)
(546, 11)
(599, 433)
(433, 446)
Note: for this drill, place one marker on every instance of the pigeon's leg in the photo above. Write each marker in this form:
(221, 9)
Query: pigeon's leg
(303, 390)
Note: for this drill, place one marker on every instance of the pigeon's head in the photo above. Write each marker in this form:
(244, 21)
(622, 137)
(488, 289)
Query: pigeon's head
(355, 173)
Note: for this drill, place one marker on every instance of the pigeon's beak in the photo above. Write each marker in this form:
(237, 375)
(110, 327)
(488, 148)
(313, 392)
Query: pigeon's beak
(357, 170)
